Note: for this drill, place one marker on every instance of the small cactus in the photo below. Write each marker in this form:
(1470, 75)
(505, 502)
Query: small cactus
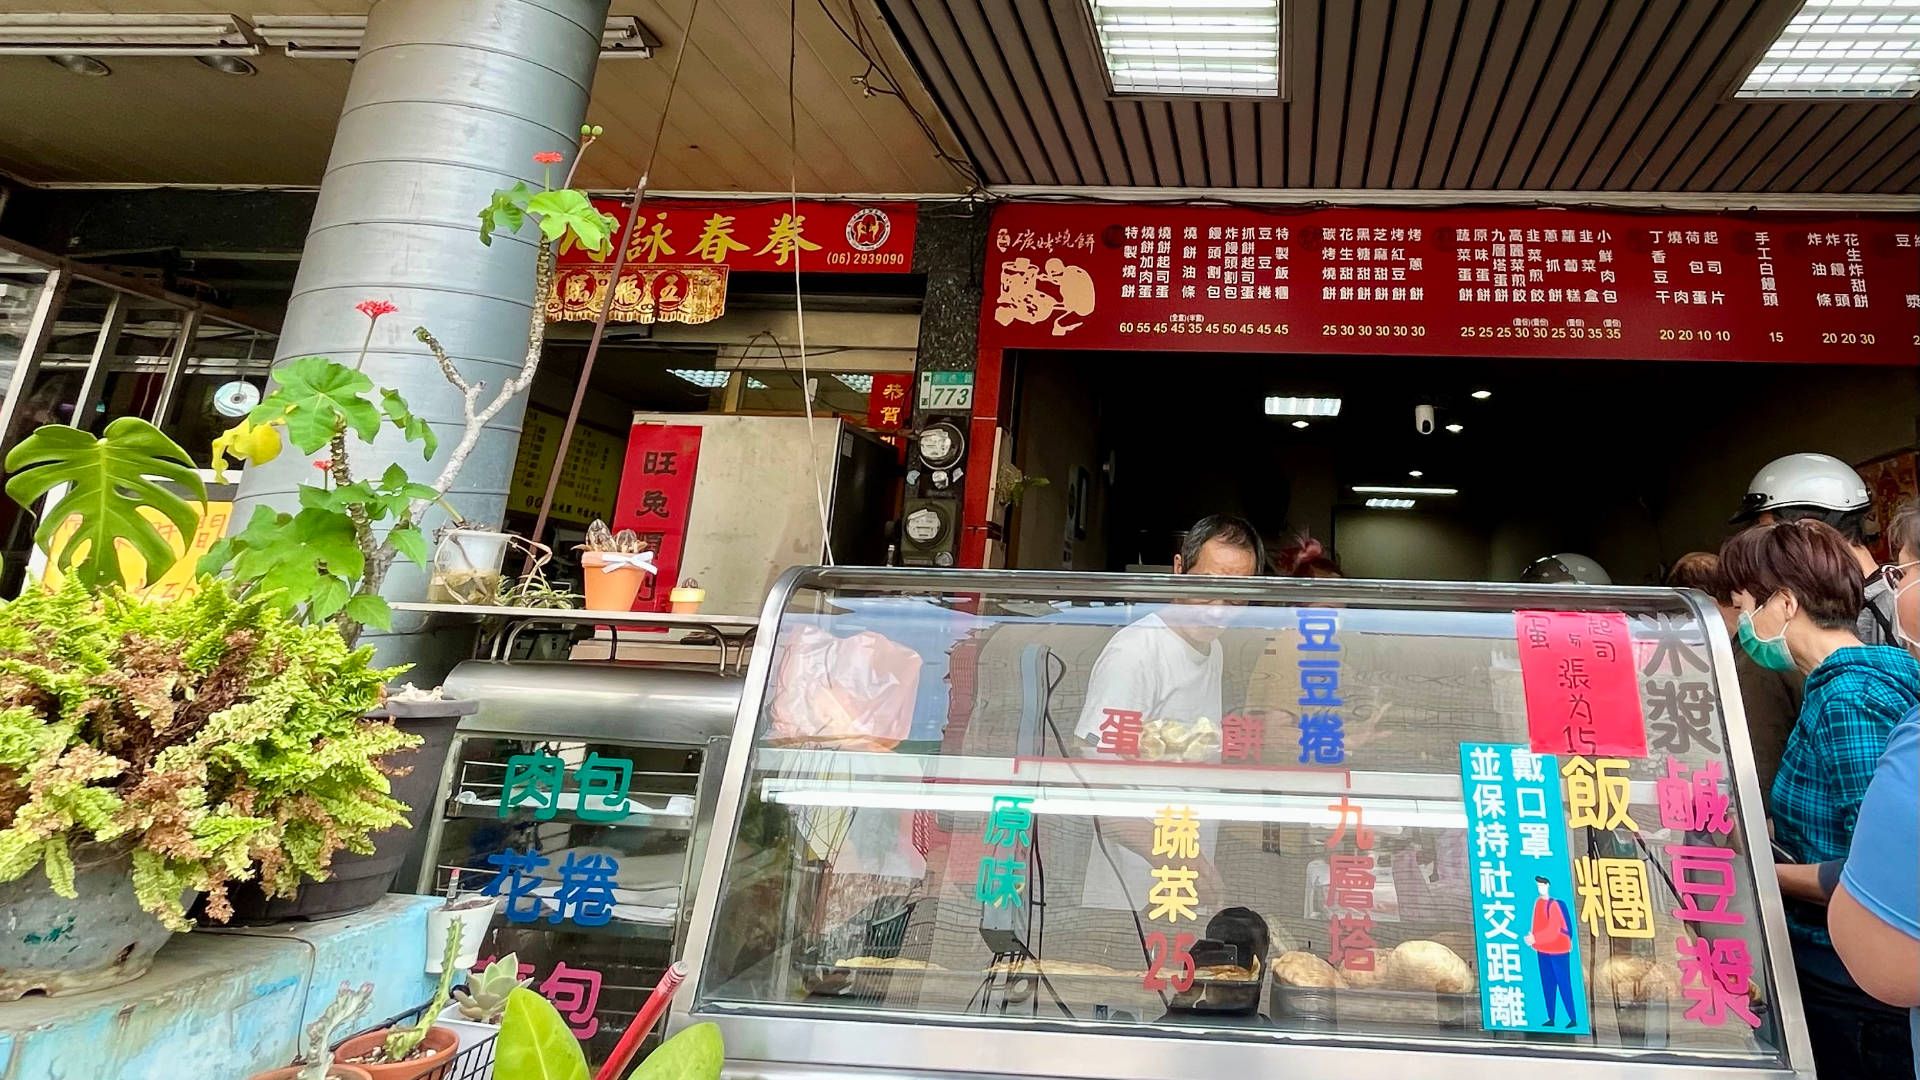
(346, 1005)
(484, 998)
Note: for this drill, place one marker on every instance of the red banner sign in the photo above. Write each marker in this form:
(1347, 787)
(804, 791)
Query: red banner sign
(1472, 281)
(1582, 689)
(656, 495)
(888, 400)
(832, 237)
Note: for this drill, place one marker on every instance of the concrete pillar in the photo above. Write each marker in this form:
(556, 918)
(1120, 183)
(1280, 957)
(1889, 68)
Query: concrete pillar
(450, 99)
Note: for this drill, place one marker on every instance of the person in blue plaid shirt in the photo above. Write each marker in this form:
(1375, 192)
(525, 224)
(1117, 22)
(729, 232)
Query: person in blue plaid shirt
(1800, 596)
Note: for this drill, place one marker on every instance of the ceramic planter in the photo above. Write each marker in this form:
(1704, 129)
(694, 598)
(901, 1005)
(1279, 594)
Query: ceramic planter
(435, 1062)
(471, 1033)
(100, 938)
(612, 579)
(474, 916)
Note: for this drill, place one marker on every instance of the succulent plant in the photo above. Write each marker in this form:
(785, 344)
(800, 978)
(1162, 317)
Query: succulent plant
(484, 998)
(346, 1005)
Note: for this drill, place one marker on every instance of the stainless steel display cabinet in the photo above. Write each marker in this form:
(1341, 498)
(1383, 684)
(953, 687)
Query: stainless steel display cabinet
(580, 795)
(1083, 825)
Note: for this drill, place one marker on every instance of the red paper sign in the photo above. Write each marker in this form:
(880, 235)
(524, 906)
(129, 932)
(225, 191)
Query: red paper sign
(1471, 281)
(888, 400)
(833, 237)
(656, 494)
(1583, 696)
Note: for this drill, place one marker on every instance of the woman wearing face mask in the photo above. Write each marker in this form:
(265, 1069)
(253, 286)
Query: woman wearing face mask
(1799, 596)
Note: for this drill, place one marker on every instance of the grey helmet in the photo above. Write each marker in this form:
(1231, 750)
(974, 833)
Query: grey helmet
(1812, 481)
(1566, 568)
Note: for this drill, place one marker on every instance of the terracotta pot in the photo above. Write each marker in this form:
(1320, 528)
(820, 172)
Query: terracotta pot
(610, 590)
(443, 1047)
(334, 1072)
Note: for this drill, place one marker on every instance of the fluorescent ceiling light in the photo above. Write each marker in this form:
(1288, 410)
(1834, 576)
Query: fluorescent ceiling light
(1303, 406)
(1206, 47)
(337, 37)
(755, 384)
(50, 34)
(1300, 423)
(1842, 49)
(1390, 504)
(1389, 489)
(859, 383)
(711, 380)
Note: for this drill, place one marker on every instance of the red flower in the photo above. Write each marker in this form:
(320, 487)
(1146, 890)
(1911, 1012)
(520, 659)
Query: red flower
(324, 464)
(548, 157)
(373, 309)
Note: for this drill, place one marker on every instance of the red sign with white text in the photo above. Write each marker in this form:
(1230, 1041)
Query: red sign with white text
(656, 496)
(1472, 281)
(831, 237)
(887, 401)
(1582, 689)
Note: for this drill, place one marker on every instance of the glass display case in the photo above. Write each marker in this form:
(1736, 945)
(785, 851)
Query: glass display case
(1086, 825)
(579, 799)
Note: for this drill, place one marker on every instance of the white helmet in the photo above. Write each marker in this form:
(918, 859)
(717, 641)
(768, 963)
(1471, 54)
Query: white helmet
(1564, 569)
(1815, 481)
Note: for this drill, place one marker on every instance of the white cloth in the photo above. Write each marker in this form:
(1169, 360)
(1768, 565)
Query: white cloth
(1148, 668)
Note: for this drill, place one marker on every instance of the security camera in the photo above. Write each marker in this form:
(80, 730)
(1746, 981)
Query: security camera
(1423, 419)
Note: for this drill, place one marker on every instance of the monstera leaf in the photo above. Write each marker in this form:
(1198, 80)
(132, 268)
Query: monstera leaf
(107, 480)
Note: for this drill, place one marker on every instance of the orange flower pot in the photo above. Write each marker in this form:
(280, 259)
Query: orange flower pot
(433, 1061)
(611, 589)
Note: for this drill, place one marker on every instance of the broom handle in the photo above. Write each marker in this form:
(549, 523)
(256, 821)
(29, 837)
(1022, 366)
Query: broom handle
(643, 1022)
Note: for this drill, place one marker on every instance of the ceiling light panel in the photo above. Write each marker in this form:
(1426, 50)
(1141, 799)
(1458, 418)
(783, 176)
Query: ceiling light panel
(1303, 406)
(337, 37)
(50, 34)
(1842, 49)
(711, 380)
(1211, 48)
(1400, 489)
(1389, 504)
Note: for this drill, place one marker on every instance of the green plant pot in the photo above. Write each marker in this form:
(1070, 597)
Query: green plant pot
(358, 881)
(99, 939)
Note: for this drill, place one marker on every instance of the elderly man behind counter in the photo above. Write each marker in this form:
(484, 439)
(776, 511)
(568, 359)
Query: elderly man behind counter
(1166, 665)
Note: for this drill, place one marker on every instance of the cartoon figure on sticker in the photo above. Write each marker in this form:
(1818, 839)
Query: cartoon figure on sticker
(1030, 295)
(1551, 941)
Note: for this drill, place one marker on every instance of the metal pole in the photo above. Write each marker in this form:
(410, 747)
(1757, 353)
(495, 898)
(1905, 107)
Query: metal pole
(26, 368)
(176, 367)
(104, 347)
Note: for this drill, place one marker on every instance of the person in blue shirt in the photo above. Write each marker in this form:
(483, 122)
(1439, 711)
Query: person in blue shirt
(1799, 596)
(1874, 915)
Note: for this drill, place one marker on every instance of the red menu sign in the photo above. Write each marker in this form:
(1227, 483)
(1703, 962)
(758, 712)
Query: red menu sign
(843, 237)
(1582, 690)
(1479, 281)
(656, 495)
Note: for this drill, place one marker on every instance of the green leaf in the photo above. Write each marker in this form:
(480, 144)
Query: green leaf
(328, 596)
(569, 210)
(506, 211)
(534, 1043)
(370, 611)
(414, 428)
(695, 1053)
(297, 555)
(410, 543)
(108, 479)
(317, 397)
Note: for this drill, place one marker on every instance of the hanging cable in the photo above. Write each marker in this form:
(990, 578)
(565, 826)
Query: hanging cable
(799, 306)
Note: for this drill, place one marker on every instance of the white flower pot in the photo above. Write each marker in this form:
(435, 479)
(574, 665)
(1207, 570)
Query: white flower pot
(471, 1034)
(473, 931)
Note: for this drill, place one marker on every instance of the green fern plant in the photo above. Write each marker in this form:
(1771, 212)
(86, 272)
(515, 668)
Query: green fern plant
(212, 737)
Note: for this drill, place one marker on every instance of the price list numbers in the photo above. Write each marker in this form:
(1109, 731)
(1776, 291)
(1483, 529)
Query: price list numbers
(1369, 264)
(1535, 266)
(1687, 269)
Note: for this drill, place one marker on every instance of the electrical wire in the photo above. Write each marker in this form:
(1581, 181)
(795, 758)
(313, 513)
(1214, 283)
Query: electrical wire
(799, 305)
(877, 61)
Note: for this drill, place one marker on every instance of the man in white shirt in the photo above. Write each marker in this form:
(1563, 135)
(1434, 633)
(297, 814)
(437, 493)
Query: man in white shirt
(1164, 666)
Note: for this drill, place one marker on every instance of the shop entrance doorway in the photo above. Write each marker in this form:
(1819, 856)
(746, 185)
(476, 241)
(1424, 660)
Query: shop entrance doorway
(1632, 463)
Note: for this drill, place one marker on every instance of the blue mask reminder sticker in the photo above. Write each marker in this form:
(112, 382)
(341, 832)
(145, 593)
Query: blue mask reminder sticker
(1527, 951)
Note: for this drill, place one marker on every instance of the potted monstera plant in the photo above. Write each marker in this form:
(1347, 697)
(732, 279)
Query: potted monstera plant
(155, 751)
